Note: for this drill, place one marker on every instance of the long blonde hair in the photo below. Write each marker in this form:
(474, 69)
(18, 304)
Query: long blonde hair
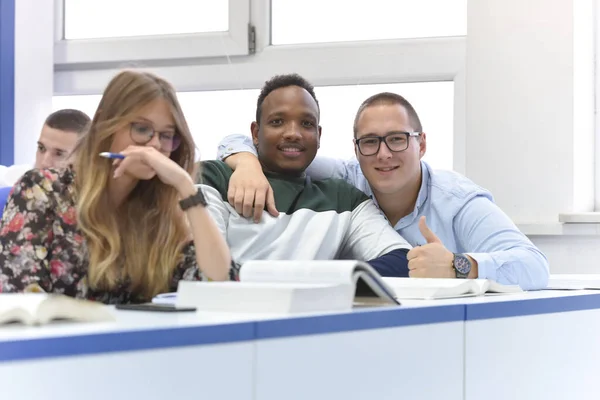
(140, 243)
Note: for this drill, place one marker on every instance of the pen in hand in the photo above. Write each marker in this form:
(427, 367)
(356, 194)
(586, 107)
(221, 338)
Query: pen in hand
(107, 154)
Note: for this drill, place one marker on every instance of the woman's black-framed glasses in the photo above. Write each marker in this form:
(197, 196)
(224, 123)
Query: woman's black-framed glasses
(143, 132)
(395, 142)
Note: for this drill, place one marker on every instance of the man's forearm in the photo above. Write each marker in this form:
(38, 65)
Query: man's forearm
(523, 266)
(234, 160)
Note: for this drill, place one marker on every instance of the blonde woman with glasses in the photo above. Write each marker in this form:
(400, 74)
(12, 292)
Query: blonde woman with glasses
(125, 221)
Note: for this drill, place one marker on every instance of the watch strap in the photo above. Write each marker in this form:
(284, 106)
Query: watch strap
(193, 200)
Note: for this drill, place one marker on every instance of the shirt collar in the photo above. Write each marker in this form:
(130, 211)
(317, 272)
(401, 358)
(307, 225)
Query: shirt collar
(424, 191)
(286, 177)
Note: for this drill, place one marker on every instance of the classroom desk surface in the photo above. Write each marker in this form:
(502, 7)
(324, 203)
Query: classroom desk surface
(231, 327)
(464, 344)
(558, 300)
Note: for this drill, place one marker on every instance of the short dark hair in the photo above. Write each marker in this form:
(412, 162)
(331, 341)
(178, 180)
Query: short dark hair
(281, 81)
(389, 98)
(69, 120)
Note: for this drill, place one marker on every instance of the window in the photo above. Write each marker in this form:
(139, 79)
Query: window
(433, 101)
(87, 103)
(319, 21)
(139, 32)
(88, 19)
(213, 115)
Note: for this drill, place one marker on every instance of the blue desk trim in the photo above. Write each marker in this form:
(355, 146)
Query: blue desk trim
(111, 342)
(517, 308)
(358, 320)
(7, 81)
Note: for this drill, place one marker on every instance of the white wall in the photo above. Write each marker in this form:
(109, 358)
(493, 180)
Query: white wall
(34, 69)
(520, 107)
(571, 254)
(529, 116)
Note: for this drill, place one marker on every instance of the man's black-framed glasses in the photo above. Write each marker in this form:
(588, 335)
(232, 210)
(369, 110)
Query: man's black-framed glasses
(143, 132)
(395, 142)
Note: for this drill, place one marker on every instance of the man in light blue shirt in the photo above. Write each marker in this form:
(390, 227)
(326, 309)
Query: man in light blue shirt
(455, 226)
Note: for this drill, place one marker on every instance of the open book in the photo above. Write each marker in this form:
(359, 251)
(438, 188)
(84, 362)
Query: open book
(434, 288)
(42, 308)
(288, 287)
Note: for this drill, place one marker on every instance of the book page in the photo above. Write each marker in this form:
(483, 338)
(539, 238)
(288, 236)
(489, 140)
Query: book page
(29, 303)
(491, 287)
(59, 306)
(41, 308)
(431, 288)
(308, 271)
(369, 285)
(424, 282)
(368, 282)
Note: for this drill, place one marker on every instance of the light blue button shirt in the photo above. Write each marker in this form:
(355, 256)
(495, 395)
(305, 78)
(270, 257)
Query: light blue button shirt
(462, 214)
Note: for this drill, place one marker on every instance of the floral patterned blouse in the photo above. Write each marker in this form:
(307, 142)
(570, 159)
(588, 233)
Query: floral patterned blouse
(40, 242)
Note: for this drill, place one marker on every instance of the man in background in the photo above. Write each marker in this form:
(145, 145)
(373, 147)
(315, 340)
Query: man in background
(60, 133)
(57, 140)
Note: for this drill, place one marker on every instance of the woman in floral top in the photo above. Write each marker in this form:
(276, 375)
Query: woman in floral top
(114, 231)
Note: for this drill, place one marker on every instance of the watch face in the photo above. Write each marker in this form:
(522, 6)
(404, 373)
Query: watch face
(462, 264)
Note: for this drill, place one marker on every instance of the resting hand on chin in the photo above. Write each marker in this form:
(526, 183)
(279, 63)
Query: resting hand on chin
(145, 162)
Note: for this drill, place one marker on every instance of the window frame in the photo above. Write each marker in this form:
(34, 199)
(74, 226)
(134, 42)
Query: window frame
(323, 64)
(76, 53)
(596, 122)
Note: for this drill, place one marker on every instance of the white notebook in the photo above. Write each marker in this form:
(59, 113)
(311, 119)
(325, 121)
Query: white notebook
(42, 308)
(287, 287)
(434, 288)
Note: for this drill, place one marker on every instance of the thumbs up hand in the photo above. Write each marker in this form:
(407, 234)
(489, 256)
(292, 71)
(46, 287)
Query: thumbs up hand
(431, 260)
(428, 233)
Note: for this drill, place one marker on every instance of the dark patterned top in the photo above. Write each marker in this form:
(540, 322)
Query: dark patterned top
(40, 242)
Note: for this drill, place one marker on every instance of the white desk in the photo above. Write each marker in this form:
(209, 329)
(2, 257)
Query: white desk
(532, 351)
(142, 355)
(407, 353)
(538, 345)
(219, 356)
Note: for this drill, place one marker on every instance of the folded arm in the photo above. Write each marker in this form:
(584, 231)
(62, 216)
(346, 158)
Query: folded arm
(211, 222)
(212, 252)
(502, 252)
(209, 227)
